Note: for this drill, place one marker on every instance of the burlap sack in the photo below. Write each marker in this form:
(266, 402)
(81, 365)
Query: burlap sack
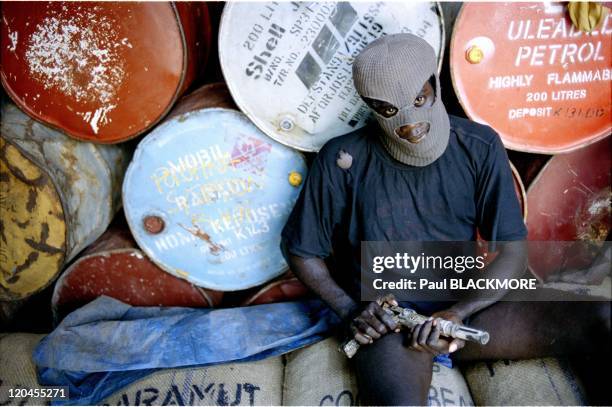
(17, 369)
(320, 375)
(236, 384)
(448, 387)
(534, 382)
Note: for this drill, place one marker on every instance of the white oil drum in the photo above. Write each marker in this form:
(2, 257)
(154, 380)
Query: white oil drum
(288, 65)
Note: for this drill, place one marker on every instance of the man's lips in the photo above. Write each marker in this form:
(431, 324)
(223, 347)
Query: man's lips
(414, 132)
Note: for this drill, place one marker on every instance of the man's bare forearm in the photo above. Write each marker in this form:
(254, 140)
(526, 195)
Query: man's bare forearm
(313, 272)
(511, 262)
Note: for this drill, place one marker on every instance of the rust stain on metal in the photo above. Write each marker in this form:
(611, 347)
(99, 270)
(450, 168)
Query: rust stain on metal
(2, 235)
(199, 233)
(32, 257)
(153, 224)
(42, 244)
(69, 157)
(24, 224)
(595, 216)
(31, 200)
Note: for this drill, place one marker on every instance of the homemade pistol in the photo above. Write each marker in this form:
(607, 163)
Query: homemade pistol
(408, 318)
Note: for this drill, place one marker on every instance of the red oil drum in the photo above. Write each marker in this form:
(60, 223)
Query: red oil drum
(101, 71)
(113, 266)
(526, 71)
(570, 201)
(285, 288)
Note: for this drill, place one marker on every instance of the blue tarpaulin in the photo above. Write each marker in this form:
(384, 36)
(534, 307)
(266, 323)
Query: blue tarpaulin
(106, 345)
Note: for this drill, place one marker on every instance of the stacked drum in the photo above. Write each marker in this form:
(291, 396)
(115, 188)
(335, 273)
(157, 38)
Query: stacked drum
(128, 170)
(83, 73)
(209, 188)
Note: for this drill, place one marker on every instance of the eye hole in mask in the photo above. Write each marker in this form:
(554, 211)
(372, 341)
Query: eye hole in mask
(425, 98)
(427, 95)
(381, 107)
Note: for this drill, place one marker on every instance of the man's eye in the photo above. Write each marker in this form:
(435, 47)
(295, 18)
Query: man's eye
(389, 111)
(420, 101)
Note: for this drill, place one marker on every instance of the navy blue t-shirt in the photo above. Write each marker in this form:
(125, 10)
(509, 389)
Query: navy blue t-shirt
(469, 187)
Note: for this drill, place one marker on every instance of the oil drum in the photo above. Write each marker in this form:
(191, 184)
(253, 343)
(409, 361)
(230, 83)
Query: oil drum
(115, 267)
(101, 71)
(569, 209)
(57, 196)
(526, 71)
(288, 65)
(207, 195)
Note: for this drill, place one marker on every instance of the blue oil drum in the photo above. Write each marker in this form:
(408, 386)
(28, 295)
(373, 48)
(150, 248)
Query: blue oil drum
(207, 195)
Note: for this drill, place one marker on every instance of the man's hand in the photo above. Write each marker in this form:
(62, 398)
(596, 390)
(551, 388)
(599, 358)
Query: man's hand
(426, 336)
(373, 322)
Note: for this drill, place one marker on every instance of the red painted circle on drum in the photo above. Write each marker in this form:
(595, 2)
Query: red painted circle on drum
(541, 84)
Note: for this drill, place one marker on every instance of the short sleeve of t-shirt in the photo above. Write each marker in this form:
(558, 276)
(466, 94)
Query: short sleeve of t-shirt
(498, 210)
(316, 214)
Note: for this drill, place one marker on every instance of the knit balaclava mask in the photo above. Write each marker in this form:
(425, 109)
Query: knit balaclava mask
(393, 69)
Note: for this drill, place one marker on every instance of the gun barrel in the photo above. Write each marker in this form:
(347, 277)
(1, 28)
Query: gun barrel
(471, 334)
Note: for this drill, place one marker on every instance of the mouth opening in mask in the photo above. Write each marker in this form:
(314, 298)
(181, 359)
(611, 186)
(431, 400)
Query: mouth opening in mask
(413, 132)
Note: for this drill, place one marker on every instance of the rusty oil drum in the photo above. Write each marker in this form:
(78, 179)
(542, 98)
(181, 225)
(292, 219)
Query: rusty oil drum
(288, 65)
(523, 69)
(115, 267)
(57, 196)
(285, 288)
(569, 200)
(101, 71)
(207, 194)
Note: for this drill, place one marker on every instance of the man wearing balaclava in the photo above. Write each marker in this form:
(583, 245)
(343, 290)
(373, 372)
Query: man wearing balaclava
(417, 175)
(415, 129)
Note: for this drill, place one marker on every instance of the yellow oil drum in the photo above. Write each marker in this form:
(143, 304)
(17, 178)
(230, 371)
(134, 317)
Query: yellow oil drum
(57, 196)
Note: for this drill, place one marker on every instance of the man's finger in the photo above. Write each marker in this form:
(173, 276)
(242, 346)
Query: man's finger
(386, 319)
(433, 340)
(387, 298)
(370, 317)
(414, 342)
(455, 345)
(424, 333)
(362, 339)
(365, 328)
